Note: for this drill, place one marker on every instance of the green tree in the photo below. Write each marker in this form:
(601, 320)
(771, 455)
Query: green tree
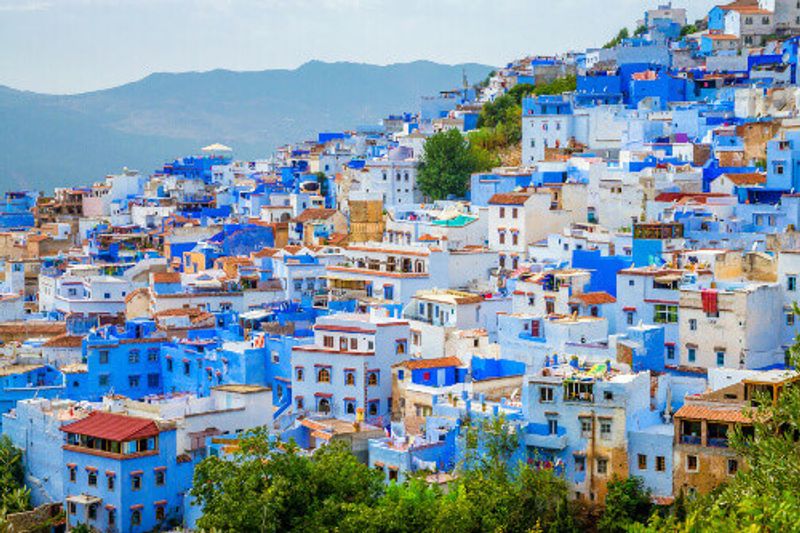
(446, 165)
(322, 181)
(14, 496)
(688, 30)
(627, 503)
(268, 488)
(621, 36)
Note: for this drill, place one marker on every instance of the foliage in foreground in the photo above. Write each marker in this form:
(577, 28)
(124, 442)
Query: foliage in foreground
(14, 496)
(265, 488)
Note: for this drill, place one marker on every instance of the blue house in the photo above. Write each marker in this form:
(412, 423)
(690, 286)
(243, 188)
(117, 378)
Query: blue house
(123, 474)
(783, 162)
(126, 362)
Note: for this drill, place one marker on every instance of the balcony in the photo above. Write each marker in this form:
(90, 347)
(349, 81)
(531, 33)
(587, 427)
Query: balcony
(550, 442)
(695, 440)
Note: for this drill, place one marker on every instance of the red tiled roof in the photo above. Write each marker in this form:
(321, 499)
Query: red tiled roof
(748, 178)
(65, 341)
(594, 298)
(110, 426)
(511, 198)
(440, 362)
(166, 277)
(722, 414)
(315, 214)
(700, 197)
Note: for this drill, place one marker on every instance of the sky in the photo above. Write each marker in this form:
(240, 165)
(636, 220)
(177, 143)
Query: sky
(71, 46)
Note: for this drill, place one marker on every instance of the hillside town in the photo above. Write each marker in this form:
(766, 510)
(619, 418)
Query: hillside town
(616, 283)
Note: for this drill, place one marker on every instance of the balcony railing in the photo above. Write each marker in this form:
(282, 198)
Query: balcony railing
(691, 439)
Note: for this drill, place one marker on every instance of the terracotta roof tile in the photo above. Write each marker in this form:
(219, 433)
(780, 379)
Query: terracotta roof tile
(441, 362)
(315, 214)
(726, 413)
(110, 426)
(594, 298)
(511, 198)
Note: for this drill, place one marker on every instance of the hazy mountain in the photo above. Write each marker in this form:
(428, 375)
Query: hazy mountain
(50, 140)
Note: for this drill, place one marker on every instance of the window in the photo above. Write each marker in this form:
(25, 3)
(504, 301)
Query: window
(350, 377)
(721, 358)
(790, 318)
(276, 357)
(502, 237)
(733, 467)
(73, 476)
(691, 463)
(92, 478)
(608, 395)
(323, 375)
(327, 341)
(112, 517)
(691, 354)
(153, 380)
(580, 463)
(372, 379)
(552, 426)
(586, 427)
(670, 352)
(152, 355)
(133, 381)
(92, 511)
(514, 213)
(692, 324)
(110, 482)
(629, 318)
(502, 212)
(666, 314)
(103, 357)
(133, 356)
(641, 461)
(107, 295)
(605, 429)
(353, 344)
(186, 368)
(791, 283)
(661, 463)
(299, 374)
(602, 466)
(161, 477)
(545, 394)
(373, 408)
(136, 482)
(72, 508)
(514, 239)
(159, 513)
(136, 517)
(102, 380)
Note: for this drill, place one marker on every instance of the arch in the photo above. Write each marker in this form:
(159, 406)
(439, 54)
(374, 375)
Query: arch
(324, 405)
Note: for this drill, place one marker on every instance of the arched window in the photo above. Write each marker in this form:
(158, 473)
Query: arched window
(349, 378)
(350, 408)
(373, 409)
(324, 375)
(299, 374)
(420, 267)
(324, 405)
(372, 379)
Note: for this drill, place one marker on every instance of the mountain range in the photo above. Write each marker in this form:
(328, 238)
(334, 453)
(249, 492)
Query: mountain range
(62, 140)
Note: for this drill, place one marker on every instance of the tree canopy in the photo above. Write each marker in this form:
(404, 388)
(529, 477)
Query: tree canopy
(268, 488)
(446, 165)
